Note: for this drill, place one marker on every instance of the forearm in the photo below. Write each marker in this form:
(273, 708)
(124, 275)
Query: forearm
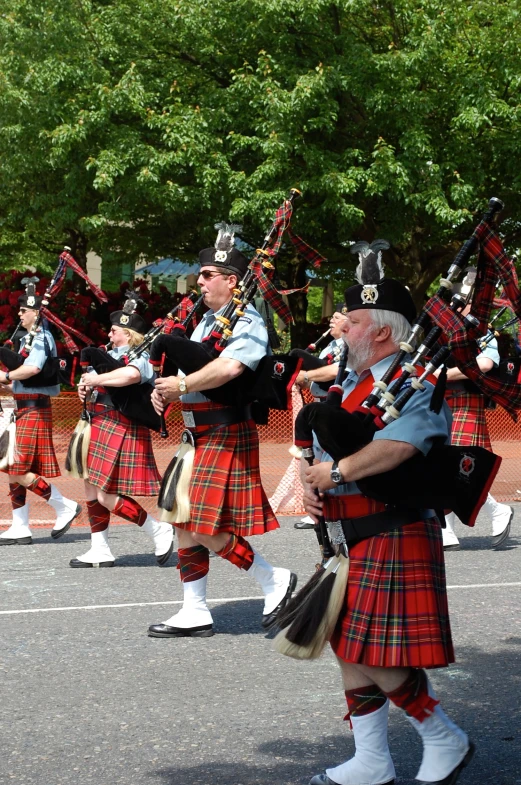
(378, 456)
(214, 374)
(325, 374)
(119, 377)
(21, 373)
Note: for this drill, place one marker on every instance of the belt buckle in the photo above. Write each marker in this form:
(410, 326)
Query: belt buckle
(188, 419)
(336, 534)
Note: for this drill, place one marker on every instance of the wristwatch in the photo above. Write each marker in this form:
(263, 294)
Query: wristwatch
(7, 377)
(183, 388)
(336, 474)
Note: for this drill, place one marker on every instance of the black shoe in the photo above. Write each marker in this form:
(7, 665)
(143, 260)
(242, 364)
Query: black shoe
(16, 541)
(57, 533)
(455, 547)
(303, 525)
(165, 556)
(269, 619)
(78, 563)
(451, 778)
(164, 631)
(499, 539)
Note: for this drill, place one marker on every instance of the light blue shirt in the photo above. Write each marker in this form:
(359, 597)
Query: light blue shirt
(141, 363)
(248, 344)
(491, 351)
(37, 357)
(335, 348)
(417, 424)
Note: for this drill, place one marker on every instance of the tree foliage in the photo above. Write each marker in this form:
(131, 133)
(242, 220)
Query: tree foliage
(131, 126)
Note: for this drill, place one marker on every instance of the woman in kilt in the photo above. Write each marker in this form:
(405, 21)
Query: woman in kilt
(395, 622)
(35, 459)
(120, 460)
(227, 500)
(469, 428)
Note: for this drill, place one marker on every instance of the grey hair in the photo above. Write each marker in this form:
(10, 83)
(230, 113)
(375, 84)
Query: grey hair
(400, 327)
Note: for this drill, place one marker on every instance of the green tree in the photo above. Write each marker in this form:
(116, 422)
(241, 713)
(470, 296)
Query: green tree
(131, 127)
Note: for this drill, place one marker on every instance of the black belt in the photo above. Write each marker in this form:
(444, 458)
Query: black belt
(33, 403)
(356, 529)
(104, 399)
(219, 416)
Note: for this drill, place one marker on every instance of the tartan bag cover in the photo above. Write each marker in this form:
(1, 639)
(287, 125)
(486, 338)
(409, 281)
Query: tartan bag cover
(34, 443)
(226, 493)
(469, 424)
(121, 458)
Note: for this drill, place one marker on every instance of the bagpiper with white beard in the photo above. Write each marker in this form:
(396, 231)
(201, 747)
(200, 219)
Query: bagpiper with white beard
(394, 620)
(35, 459)
(120, 457)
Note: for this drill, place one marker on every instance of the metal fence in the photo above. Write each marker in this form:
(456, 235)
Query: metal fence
(279, 471)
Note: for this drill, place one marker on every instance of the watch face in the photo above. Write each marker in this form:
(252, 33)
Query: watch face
(182, 385)
(336, 476)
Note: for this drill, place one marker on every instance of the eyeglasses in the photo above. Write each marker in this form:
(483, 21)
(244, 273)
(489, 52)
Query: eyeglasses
(208, 275)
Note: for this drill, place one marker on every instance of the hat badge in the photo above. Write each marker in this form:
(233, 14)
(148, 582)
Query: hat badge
(221, 256)
(30, 300)
(369, 294)
(124, 319)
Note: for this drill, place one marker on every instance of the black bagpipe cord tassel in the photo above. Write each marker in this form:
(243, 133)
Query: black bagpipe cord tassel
(438, 395)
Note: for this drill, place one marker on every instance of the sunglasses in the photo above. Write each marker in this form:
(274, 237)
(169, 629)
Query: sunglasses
(208, 275)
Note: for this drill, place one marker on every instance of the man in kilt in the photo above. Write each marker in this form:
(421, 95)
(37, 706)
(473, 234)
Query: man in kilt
(35, 459)
(120, 458)
(469, 427)
(227, 500)
(394, 622)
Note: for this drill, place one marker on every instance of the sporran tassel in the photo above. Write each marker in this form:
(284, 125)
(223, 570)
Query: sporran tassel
(174, 496)
(9, 454)
(314, 621)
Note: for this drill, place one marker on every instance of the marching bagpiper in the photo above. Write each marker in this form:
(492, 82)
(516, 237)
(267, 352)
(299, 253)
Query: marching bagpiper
(394, 619)
(227, 500)
(120, 458)
(32, 451)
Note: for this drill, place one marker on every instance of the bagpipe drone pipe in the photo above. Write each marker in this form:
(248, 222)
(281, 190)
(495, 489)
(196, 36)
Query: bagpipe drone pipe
(270, 384)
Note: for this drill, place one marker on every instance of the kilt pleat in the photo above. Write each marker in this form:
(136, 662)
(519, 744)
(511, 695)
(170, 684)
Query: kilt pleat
(469, 424)
(121, 458)
(34, 444)
(396, 611)
(226, 493)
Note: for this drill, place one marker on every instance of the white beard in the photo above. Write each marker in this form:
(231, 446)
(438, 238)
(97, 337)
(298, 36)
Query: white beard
(361, 352)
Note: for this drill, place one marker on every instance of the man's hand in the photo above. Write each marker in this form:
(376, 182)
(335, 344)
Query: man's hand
(82, 391)
(168, 387)
(319, 476)
(313, 504)
(158, 402)
(89, 380)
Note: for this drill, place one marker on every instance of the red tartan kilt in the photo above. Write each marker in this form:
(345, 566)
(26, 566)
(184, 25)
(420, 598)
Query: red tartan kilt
(121, 458)
(396, 612)
(469, 424)
(226, 493)
(34, 445)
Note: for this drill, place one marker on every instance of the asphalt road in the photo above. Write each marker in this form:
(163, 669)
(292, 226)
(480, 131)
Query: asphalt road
(87, 698)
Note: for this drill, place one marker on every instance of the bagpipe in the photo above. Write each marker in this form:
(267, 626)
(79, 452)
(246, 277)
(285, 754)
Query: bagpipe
(56, 370)
(269, 386)
(133, 401)
(455, 478)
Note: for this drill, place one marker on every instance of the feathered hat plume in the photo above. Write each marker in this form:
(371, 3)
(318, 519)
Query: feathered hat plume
(370, 269)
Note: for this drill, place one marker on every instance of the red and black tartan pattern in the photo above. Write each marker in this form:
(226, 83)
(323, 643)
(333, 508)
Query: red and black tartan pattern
(396, 612)
(41, 488)
(34, 444)
(238, 551)
(130, 510)
(194, 563)
(364, 700)
(226, 493)
(469, 424)
(412, 696)
(121, 459)
(17, 494)
(493, 264)
(99, 516)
